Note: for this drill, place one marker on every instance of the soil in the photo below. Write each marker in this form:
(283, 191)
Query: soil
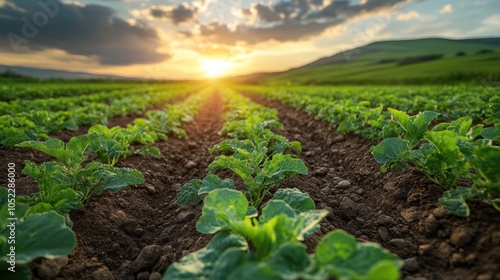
(137, 232)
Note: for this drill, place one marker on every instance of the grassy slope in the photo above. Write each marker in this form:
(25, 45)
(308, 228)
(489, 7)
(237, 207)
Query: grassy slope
(365, 68)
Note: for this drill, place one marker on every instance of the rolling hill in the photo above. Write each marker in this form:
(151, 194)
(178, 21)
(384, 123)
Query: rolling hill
(431, 60)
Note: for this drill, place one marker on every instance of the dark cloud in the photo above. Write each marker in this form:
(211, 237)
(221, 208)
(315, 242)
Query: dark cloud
(291, 20)
(89, 30)
(178, 14)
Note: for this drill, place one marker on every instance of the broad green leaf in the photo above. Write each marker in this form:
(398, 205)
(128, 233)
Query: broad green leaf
(212, 182)
(296, 199)
(118, 178)
(383, 270)
(189, 193)
(455, 200)
(254, 270)
(274, 208)
(152, 151)
(310, 222)
(221, 208)
(199, 264)
(491, 133)
(336, 247)
(228, 262)
(401, 117)
(389, 150)
(291, 261)
(41, 235)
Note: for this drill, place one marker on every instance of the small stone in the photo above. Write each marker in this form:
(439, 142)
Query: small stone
(424, 249)
(444, 250)
(143, 275)
(471, 258)
(147, 258)
(384, 233)
(321, 172)
(410, 214)
(360, 191)
(385, 220)
(150, 189)
(190, 164)
(155, 276)
(440, 212)
(161, 264)
(102, 273)
(456, 259)
(344, 184)
(51, 268)
(348, 207)
(400, 243)
(325, 190)
(462, 236)
(485, 276)
(431, 225)
(411, 265)
(185, 253)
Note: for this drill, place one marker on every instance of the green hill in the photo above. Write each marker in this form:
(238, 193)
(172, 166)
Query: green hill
(409, 61)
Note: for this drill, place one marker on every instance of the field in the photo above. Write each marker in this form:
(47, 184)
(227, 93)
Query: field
(224, 181)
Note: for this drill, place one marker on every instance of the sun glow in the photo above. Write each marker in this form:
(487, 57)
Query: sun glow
(215, 67)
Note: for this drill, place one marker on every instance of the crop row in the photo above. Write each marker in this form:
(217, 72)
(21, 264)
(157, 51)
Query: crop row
(29, 91)
(43, 227)
(257, 240)
(37, 122)
(480, 103)
(444, 153)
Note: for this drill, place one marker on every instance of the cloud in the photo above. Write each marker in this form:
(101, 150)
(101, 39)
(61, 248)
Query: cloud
(290, 20)
(88, 30)
(178, 14)
(408, 16)
(446, 9)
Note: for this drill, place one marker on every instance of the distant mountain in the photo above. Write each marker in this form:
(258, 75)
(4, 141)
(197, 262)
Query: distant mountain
(427, 60)
(385, 50)
(58, 74)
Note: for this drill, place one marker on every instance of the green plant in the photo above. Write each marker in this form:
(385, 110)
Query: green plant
(249, 246)
(66, 183)
(43, 235)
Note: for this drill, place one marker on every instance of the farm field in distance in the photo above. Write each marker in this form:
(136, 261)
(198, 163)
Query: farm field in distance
(112, 180)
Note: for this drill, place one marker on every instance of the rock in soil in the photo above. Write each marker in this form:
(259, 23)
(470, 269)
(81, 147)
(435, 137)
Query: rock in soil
(49, 269)
(147, 258)
(411, 265)
(462, 236)
(143, 275)
(155, 276)
(102, 273)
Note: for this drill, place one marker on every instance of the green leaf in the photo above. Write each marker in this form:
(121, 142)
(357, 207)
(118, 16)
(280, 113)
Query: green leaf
(220, 209)
(291, 261)
(296, 199)
(274, 208)
(310, 222)
(118, 179)
(189, 193)
(455, 200)
(152, 151)
(212, 182)
(336, 247)
(41, 235)
(199, 264)
(389, 150)
(491, 133)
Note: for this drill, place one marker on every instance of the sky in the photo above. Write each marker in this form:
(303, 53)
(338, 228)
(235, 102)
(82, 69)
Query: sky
(205, 38)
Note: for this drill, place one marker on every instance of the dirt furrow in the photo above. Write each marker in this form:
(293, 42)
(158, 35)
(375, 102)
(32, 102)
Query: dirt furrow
(140, 230)
(398, 210)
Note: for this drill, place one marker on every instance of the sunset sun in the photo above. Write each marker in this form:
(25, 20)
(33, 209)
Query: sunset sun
(215, 67)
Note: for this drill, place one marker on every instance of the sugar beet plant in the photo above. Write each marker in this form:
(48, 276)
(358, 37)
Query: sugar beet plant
(249, 245)
(253, 151)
